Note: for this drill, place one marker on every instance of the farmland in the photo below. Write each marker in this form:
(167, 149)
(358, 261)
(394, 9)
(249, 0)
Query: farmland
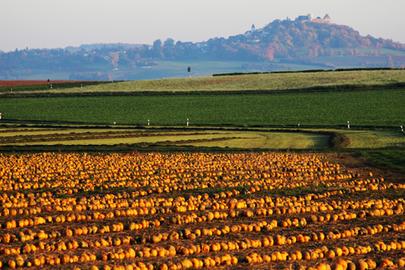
(195, 210)
(251, 82)
(27, 83)
(35, 85)
(380, 108)
(244, 139)
(274, 81)
(233, 138)
(265, 175)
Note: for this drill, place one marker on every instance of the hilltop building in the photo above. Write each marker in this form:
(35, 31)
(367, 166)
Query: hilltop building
(325, 19)
(308, 18)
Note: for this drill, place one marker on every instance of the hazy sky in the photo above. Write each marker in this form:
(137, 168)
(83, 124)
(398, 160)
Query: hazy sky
(60, 23)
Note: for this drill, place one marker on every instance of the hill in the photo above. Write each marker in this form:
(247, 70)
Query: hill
(303, 43)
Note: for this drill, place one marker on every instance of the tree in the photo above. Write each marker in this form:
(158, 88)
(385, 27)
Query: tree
(157, 49)
(169, 49)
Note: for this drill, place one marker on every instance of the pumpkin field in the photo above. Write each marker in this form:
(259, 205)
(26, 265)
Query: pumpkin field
(269, 210)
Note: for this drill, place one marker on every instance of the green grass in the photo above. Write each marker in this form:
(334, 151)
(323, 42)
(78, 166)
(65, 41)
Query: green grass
(275, 81)
(377, 107)
(371, 139)
(375, 139)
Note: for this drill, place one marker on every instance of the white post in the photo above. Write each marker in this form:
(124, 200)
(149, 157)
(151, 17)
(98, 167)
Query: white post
(188, 122)
(402, 127)
(115, 123)
(148, 122)
(348, 124)
(1, 116)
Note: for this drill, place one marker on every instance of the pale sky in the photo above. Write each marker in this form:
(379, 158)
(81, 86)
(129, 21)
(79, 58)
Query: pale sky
(61, 23)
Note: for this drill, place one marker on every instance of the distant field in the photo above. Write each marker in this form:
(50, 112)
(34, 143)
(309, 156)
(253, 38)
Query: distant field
(374, 107)
(259, 82)
(274, 81)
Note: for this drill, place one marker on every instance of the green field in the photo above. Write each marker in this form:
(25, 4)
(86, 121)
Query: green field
(273, 81)
(374, 108)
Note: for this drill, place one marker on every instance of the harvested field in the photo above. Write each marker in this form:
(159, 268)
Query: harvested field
(182, 137)
(196, 210)
(15, 83)
(16, 86)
